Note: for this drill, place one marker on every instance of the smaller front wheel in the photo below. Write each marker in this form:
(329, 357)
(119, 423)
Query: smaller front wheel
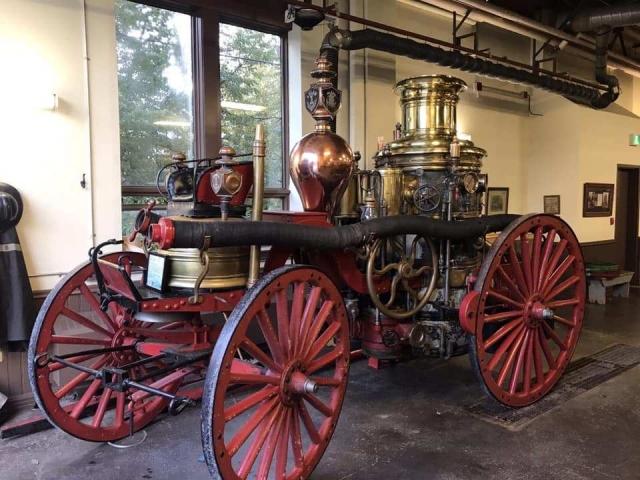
(277, 378)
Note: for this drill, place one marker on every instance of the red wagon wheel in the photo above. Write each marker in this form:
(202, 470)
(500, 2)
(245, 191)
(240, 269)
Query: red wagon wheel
(277, 378)
(72, 400)
(531, 295)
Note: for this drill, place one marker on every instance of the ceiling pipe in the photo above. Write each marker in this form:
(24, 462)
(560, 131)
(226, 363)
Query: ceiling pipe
(508, 20)
(394, 44)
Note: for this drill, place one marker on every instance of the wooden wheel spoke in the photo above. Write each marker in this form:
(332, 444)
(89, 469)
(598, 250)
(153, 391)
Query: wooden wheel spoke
(508, 281)
(517, 270)
(563, 303)
(79, 378)
(536, 257)
(551, 362)
(252, 379)
(528, 365)
(316, 326)
(561, 248)
(91, 299)
(243, 434)
(266, 327)
(263, 431)
(324, 361)
(72, 340)
(310, 310)
(511, 357)
(504, 346)
(102, 407)
(502, 316)
(296, 439)
(504, 330)
(257, 353)
(555, 277)
(327, 381)
(518, 369)
(526, 261)
(267, 454)
(537, 359)
(86, 397)
(249, 402)
(548, 248)
(564, 321)
(554, 336)
(318, 404)
(307, 421)
(322, 342)
(505, 299)
(297, 305)
(282, 309)
(568, 283)
(85, 322)
(282, 450)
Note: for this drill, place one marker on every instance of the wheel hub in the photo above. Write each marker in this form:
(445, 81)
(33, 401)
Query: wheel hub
(294, 383)
(122, 338)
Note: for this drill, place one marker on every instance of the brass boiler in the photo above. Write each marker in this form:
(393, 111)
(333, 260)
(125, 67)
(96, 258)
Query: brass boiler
(228, 266)
(413, 167)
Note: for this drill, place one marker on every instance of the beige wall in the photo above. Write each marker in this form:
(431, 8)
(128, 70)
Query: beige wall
(45, 153)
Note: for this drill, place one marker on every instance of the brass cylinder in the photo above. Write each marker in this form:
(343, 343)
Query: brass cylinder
(259, 152)
(391, 190)
(228, 267)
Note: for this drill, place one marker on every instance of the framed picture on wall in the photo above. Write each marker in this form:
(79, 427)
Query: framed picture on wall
(597, 200)
(552, 204)
(497, 200)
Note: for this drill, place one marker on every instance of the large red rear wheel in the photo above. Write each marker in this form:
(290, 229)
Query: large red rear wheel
(277, 378)
(531, 295)
(71, 321)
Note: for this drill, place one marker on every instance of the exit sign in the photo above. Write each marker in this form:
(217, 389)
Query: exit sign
(634, 139)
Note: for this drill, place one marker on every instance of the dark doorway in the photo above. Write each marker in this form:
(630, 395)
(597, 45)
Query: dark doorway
(627, 204)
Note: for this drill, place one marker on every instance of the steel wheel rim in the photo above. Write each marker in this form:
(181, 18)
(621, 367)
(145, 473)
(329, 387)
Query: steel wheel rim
(532, 345)
(40, 378)
(284, 424)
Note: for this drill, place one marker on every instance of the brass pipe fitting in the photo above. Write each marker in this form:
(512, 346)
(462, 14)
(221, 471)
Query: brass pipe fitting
(259, 152)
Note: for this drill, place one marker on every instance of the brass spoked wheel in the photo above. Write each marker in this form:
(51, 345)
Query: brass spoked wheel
(277, 378)
(407, 274)
(531, 294)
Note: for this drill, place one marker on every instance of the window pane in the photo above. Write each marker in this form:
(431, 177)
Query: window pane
(155, 85)
(251, 92)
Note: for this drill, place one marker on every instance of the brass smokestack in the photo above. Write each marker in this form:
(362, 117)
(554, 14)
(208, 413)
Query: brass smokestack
(259, 152)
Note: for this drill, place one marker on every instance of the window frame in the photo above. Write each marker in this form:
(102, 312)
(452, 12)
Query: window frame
(206, 98)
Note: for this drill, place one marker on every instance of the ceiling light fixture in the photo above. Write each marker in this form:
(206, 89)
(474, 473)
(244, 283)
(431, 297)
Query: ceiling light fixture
(247, 107)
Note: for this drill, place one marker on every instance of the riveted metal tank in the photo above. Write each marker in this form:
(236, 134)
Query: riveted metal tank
(420, 156)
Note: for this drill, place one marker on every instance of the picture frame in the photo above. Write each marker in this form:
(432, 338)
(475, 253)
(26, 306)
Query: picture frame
(156, 277)
(497, 201)
(551, 204)
(597, 199)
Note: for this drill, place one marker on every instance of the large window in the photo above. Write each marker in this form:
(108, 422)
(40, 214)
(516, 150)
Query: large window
(155, 83)
(157, 92)
(251, 93)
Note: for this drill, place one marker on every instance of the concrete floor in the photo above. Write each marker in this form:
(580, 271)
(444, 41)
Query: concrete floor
(406, 422)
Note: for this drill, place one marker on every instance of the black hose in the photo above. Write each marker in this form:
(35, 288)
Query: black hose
(386, 42)
(190, 234)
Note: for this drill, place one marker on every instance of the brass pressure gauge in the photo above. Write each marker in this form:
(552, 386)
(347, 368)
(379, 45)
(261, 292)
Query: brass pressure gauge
(470, 182)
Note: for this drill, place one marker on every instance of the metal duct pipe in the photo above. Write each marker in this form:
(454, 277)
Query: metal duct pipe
(511, 21)
(607, 17)
(355, 40)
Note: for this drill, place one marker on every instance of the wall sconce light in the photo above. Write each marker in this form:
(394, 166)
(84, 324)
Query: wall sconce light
(634, 140)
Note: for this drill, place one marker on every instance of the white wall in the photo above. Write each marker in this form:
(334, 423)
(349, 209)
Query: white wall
(45, 153)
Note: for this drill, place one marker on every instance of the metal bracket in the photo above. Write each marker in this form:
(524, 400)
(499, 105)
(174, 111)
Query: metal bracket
(538, 58)
(457, 39)
(204, 259)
